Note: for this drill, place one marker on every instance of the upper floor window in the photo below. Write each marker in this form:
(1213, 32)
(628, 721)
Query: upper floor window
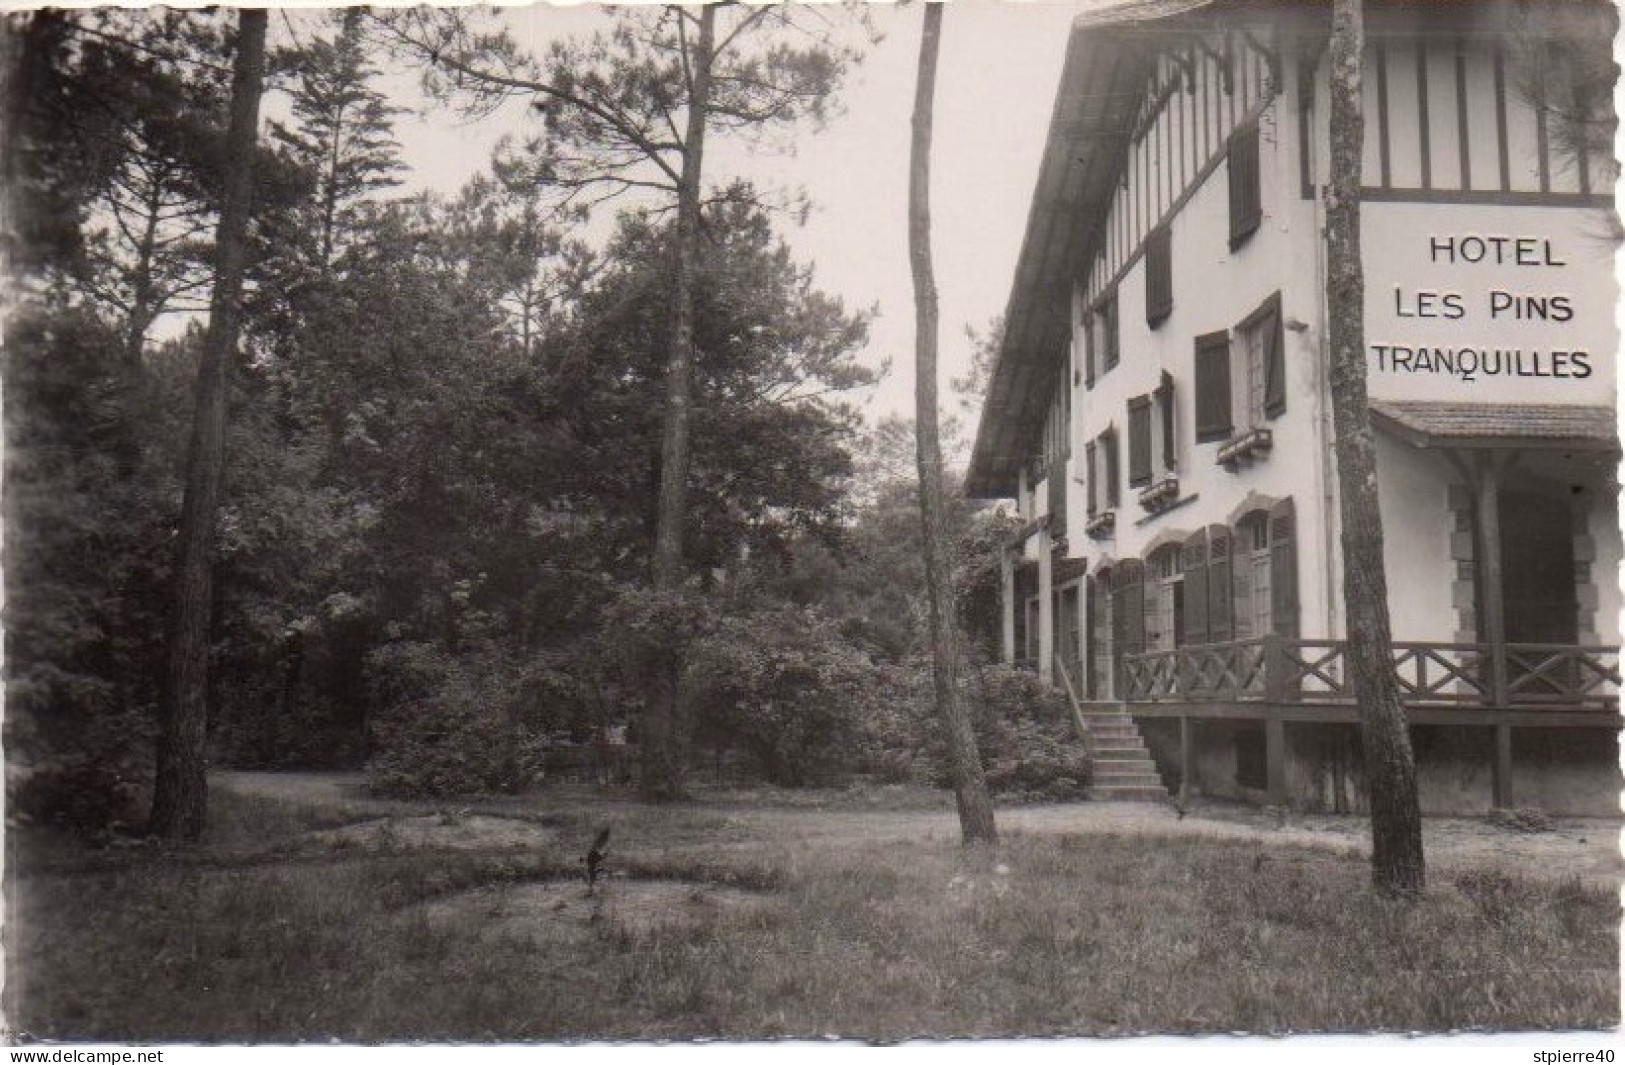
(1262, 357)
(1159, 276)
(1246, 198)
(1100, 455)
(1101, 338)
(1241, 376)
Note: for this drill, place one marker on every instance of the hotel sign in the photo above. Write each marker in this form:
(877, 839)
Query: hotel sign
(1458, 311)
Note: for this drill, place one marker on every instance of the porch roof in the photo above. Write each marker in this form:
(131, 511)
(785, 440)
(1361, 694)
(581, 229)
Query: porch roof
(1434, 423)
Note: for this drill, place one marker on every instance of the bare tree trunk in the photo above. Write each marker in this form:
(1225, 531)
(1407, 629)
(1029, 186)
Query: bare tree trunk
(1396, 822)
(660, 733)
(970, 789)
(180, 797)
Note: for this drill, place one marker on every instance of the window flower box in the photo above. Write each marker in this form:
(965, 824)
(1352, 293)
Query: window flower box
(1161, 495)
(1245, 448)
(1101, 525)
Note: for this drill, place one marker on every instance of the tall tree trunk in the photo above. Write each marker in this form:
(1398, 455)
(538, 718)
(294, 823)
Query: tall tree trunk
(181, 793)
(660, 733)
(1396, 822)
(970, 789)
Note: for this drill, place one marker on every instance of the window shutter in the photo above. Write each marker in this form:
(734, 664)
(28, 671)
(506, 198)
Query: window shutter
(1114, 487)
(1128, 607)
(1091, 638)
(1220, 592)
(1057, 499)
(1139, 441)
(1159, 276)
(1165, 403)
(1194, 563)
(1090, 352)
(1283, 570)
(1108, 312)
(1092, 473)
(1212, 378)
(1274, 361)
(1246, 205)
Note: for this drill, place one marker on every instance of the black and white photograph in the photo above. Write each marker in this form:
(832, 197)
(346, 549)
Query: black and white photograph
(765, 523)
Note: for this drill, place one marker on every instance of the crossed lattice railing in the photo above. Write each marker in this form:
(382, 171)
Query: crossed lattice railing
(1277, 669)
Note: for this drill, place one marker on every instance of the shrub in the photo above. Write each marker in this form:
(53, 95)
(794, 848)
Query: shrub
(1024, 733)
(451, 725)
(84, 797)
(785, 686)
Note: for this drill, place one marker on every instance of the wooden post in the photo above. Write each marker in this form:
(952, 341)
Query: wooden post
(1492, 612)
(1492, 607)
(1502, 775)
(1275, 669)
(1275, 758)
(1007, 605)
(1046, 605)
(1187, 752)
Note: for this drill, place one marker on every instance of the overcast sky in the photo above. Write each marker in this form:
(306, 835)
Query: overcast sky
(995, 86)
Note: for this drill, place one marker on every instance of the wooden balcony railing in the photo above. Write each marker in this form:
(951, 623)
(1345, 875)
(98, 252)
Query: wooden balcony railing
(1276, 669)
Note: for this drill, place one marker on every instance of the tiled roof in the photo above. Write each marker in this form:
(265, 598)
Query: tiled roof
(1435, 423)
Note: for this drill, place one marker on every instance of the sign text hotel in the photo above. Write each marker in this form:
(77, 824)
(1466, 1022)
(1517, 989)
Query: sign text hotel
(1482, 310)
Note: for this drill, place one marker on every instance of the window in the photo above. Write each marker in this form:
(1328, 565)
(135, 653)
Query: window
(1101, 339)
(1164, 599)
(1259, 381)
(1139, 441)
(1264, 571)
(1159, 276)
(1246, 201)
(1241, 380)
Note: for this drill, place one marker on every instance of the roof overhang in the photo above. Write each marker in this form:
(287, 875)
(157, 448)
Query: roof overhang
(1101, 83)
(1503, 426)
(1108, 62)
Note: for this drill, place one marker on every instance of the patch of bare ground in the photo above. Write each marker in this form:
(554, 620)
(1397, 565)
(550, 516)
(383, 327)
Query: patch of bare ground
(564, 911)
(472, 832)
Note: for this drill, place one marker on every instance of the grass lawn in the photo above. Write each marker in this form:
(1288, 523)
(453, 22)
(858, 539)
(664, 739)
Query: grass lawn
(473, 924)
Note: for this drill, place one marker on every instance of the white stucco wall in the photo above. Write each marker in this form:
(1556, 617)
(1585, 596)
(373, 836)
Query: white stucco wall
(1417, 524)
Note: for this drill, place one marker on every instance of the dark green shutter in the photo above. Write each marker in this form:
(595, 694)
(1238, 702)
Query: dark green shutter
(1165, 403)
(1274, 361)
(1246, 203)
(1091, 639)
(1159, 276)
(1091, 475)
(1220, 593)
(1114, 487)
(1212, 379)
(1109, 310)
(1139, 441)
(1194, 564)
(1283, 570)
(1128, 615)
(1090, 354)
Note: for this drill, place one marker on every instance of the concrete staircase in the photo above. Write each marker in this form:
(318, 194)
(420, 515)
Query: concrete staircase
(1123, 768)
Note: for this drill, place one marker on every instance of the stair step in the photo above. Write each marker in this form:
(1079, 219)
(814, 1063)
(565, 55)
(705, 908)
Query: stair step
(1148, 777)
(1128, 794)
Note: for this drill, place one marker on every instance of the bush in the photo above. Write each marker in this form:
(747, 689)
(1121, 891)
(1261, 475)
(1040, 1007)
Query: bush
(84, 797)
(451, 725)
(784, 685)
(1024, 732)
